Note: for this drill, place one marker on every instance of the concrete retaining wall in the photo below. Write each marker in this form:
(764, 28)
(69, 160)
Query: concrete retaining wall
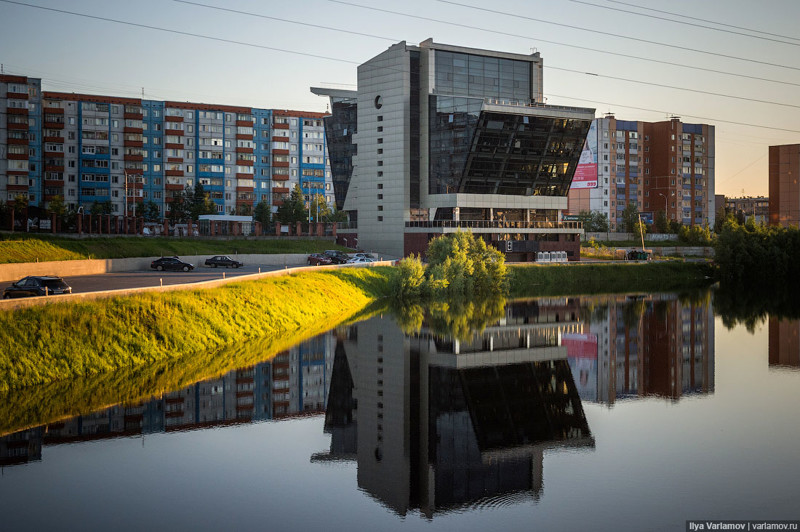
(68, 268)
(621, 237)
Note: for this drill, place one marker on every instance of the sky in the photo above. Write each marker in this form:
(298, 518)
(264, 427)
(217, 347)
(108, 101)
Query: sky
(733, 64)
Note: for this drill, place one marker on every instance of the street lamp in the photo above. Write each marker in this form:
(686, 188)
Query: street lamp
(665, 201)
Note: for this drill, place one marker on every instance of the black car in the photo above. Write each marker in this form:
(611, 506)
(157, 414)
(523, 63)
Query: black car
(319, 259)
(223, 260)
(337, 257)
(37, 286)
(171, 263)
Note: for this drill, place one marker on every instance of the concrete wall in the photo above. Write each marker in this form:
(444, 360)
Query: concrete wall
(617, 237)
(67, 268)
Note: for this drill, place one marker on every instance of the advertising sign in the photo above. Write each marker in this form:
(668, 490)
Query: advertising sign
(586, 172)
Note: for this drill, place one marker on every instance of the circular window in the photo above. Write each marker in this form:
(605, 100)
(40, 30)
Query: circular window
(378, 102)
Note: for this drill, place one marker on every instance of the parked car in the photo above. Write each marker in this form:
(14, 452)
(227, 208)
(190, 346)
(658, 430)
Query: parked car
(359, 260)
(337, 257)
(37, 286)
(365, 256)
(223, 260)
(171, 263)
(319, 259)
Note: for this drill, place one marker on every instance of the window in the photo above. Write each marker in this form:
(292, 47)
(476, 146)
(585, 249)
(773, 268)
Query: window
(380, 218)
(380, 118)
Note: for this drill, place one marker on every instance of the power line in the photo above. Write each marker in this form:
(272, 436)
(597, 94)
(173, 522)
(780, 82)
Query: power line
(620, 36)
(684, 23)
(178, 32)
(356, 63)
(673, 87)
(738, 75)
(707, 119)
(198, 4)
(703, 20)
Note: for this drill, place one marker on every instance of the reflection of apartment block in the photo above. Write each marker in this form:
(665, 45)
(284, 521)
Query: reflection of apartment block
(784, 342)
(295, 382)
(656, 346)
(20, 448)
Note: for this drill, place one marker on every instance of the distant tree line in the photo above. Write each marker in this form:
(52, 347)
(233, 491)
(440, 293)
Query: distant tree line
(757, 256)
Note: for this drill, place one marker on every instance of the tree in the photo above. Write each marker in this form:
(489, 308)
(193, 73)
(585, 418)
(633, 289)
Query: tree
(461, 264)
(661, 223)
(630, 217)
(151, 212)
(199, 202)
(319, 205)
(57, 206)
(293, 210)
(594, 221)
(20, 204)
(262, 213)
(179, 208)
(243, 209)
(337, 216)
(100, 207)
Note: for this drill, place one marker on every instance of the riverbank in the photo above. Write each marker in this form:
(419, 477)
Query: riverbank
(586, 278)
(63, 341)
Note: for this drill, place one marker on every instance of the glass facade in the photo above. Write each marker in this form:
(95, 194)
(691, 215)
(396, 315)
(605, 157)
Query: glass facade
(462, 74)
(339, 129)
(477, 152)
(481, 152)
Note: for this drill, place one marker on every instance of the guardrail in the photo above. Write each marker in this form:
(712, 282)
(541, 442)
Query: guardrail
(487, 224)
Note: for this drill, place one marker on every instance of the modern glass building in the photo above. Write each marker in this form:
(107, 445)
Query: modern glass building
(447, 138)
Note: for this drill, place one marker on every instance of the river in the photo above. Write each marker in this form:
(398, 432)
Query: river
(636, 411)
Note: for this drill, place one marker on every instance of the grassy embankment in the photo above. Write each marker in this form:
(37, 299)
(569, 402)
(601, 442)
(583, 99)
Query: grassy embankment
(44, 249)
(529, 281)
(156, 342)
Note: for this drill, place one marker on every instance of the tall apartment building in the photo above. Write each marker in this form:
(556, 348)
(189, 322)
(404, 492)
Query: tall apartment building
(21, 151)
(96, 149)
(784, 186)
(658, 166)
(443, 138)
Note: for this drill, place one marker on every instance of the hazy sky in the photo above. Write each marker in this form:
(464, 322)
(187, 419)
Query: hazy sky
(283, 48)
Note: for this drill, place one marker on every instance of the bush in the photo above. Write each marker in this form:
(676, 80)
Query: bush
(459, 265)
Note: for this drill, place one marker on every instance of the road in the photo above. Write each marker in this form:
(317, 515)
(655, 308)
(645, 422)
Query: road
(139, 279)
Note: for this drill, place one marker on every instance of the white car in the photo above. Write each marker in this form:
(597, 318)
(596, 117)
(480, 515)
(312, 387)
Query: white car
(369, 256)
(359, 260)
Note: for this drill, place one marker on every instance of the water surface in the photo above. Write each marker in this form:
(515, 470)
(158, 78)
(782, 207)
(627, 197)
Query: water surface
(603, 413)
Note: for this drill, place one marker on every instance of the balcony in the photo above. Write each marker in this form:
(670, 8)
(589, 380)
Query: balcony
(492, 224)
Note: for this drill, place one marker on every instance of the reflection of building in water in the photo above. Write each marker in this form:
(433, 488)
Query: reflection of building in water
(439, 424)
(784, 342)
(293, 383)
(654, 346)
